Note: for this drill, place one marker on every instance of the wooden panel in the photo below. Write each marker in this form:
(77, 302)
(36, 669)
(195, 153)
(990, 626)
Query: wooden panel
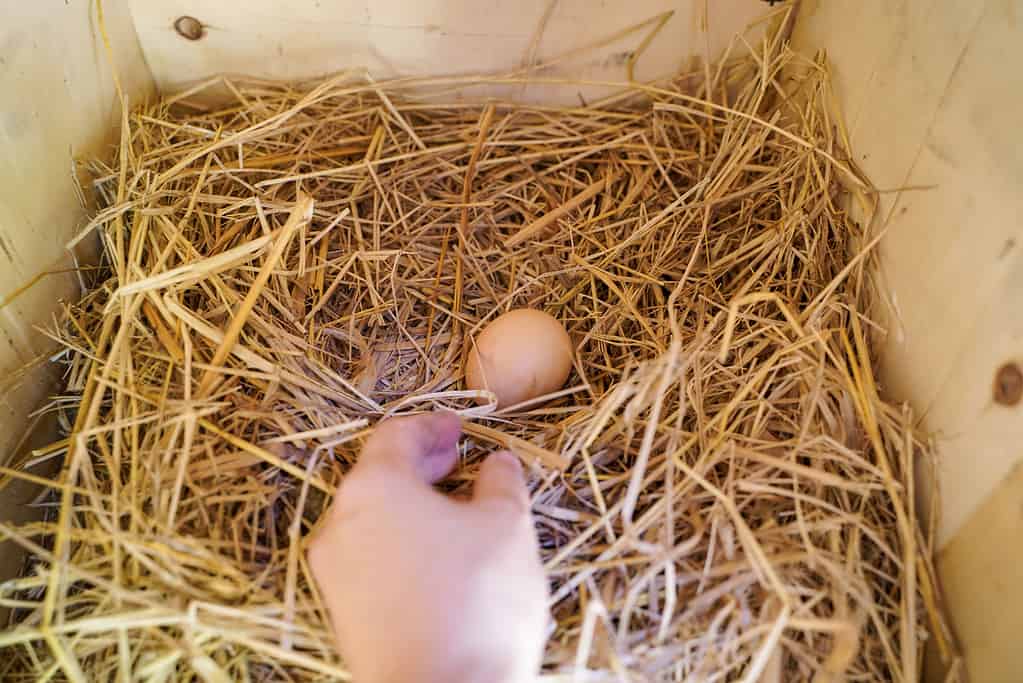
(933, 98)
(305, 38)
(981, 575)
(956, 265)
(931, 108)
(58, 104)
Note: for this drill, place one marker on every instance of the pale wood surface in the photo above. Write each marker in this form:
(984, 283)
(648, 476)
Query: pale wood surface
(304, 38)
(58, 104)
(933, 96)
(982, 573)
(932, 105)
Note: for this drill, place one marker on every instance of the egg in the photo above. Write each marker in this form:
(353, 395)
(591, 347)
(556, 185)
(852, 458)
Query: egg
(519, 356)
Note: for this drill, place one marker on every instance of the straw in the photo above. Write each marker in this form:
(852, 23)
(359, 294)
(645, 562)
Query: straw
(720, 493)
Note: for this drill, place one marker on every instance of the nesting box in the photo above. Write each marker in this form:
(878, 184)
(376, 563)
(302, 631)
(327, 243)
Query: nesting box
(931, 97)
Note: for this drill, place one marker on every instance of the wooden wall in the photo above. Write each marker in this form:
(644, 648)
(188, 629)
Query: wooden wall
(58, 105)
(933, 97)
(931, 91)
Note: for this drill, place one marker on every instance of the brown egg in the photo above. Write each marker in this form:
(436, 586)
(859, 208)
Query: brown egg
(519, 356)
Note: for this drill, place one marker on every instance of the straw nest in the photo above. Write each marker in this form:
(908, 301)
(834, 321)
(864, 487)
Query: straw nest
(720, 493)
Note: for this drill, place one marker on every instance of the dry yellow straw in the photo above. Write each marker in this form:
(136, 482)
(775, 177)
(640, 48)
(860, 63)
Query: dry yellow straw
(720, 492)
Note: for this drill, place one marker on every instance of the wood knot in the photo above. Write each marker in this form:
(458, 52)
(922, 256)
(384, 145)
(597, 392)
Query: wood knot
(1008, 389)
(189, 28)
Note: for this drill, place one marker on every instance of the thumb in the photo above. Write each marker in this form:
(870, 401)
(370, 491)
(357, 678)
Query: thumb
(422, 445)
(501, 479)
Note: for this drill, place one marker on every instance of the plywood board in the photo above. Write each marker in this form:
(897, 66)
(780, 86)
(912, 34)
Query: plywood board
(982, 571)
(934, 117)
(933, 97)
(58, 105)
(306, 38)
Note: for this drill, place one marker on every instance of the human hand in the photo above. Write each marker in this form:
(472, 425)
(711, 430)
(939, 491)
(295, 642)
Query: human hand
(422, 588)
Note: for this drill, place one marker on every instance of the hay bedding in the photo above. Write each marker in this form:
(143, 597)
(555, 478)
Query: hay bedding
(720, 493)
